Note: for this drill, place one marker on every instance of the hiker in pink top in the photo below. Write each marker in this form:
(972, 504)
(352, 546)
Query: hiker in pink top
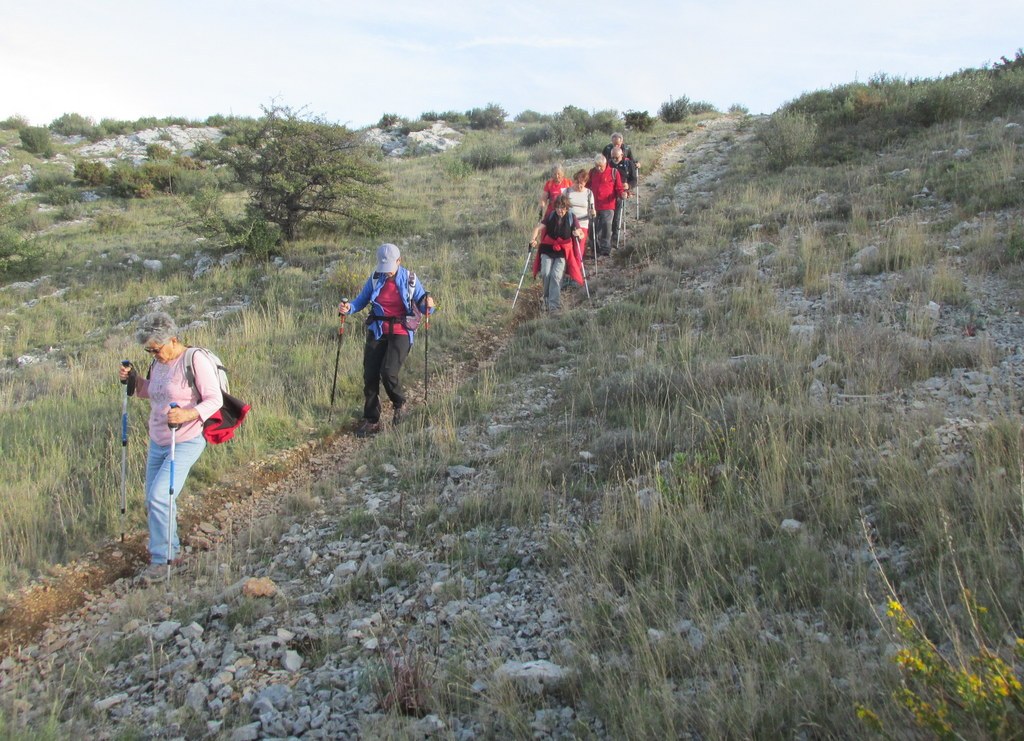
(166, 384)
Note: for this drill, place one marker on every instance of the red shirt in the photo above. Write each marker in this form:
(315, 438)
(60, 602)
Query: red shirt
(554, 189)
(389, 300)
(606, 186)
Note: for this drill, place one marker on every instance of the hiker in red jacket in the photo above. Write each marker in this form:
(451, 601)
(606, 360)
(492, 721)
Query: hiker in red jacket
(607, 187)
(553, 188)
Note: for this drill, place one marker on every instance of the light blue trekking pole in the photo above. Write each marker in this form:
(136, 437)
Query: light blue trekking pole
(170, 496)
(129, 389)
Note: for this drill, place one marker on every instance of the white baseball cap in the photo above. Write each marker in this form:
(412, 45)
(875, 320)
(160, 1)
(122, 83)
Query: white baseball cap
(387, 258)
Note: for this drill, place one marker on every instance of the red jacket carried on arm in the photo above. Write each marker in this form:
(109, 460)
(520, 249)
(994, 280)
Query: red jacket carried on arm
(558, 243)
(606, 186)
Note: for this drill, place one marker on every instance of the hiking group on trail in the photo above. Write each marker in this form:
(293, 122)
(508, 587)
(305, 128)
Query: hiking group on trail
(568, 211)
(187, 388)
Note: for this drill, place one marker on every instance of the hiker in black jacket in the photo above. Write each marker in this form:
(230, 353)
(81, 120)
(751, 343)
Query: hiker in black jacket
(627, 171)
(617, 141)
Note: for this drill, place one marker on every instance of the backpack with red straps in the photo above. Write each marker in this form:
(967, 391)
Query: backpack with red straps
(220, 426)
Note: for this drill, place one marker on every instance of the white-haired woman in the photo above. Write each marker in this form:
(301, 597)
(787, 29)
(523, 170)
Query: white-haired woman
(552, 189)
(166, 384)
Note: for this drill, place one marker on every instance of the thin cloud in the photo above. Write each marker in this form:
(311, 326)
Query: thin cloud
(551, 43)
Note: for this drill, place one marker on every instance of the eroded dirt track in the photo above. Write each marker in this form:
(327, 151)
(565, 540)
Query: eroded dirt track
(257, 490)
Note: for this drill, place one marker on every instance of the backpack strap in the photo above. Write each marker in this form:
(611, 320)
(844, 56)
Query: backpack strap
(190, 370)
(410, 294)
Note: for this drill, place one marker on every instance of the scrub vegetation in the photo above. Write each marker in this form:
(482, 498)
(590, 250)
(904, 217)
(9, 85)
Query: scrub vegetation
(894, 610)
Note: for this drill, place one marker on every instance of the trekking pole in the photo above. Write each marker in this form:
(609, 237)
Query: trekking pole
(618, 228)
(583, 267)
(426, 351)
(170, 496)
(337, 359)
(129, 390)
(529, 251)
(638, 192)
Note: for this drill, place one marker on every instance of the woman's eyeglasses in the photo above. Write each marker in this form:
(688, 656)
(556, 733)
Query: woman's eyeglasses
(153, 350)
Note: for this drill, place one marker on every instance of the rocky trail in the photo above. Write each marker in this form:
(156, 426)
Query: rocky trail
(290, 644)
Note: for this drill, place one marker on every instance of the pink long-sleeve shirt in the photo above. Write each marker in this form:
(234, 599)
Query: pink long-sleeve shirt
(167, 383)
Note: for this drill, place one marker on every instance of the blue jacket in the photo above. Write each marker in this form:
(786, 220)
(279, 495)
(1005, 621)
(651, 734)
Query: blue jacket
(372, 288)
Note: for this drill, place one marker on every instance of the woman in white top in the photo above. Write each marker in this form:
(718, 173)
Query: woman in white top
(581, 202)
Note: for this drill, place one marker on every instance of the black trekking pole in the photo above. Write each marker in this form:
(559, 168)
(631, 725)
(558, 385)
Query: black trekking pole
(170, 497)
(618, 227)
(426, 350)
(638, 192)
(129, 390)
(529, 252)
(337, 359)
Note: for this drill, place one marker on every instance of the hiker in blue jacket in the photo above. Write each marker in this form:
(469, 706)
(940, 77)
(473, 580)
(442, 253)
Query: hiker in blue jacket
(396, 299)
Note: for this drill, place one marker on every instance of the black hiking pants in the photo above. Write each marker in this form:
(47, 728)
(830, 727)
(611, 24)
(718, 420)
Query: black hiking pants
(382, 362)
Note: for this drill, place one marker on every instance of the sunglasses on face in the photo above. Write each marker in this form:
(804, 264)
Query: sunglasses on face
(153, 350)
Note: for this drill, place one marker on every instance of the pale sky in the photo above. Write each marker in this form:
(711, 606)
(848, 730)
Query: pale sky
(350, 62)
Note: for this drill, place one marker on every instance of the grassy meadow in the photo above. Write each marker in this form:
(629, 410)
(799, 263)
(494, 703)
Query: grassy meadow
(894, 610)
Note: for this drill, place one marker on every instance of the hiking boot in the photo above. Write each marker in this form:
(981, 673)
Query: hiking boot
(154, 573)
(367, 428)
(399, 416)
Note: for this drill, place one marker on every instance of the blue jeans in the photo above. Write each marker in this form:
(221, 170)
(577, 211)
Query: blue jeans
(161, 507)
(551, 271)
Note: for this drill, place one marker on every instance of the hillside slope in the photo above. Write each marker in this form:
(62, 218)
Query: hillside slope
(667, 511)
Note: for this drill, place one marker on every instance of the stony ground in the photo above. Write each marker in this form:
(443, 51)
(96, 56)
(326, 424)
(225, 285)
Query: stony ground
(343, 597)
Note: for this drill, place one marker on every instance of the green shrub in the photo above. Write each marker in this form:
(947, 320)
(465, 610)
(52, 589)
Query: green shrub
(17, 254)
(71, 211)
(127, 181)
(788, 138)
(456, 168)
(91, 172)
(490, 156)
(36, 139)
(639, 121)
(156, 151)
(161, 175)
(388, 120)
(605, 121)
(44, 182)
(62, 195)
(702, 106)
(73, 124)
(674, 110)
(451, 117)
(534, 135)
(738, 109)
(15, 123)
(529, 116)
(1007, 92)
(490, 117)
(114, 127)
(962, 95)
